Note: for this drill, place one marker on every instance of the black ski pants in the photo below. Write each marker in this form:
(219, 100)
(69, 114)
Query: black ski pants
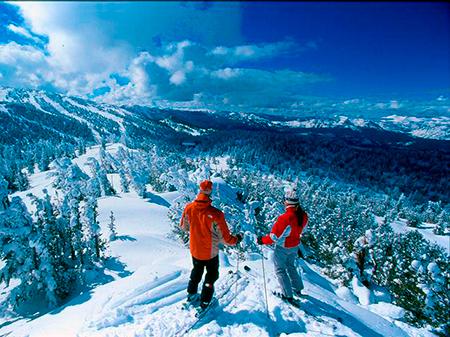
(212, 274)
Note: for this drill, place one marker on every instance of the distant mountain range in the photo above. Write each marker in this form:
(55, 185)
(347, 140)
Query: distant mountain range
(26, 113)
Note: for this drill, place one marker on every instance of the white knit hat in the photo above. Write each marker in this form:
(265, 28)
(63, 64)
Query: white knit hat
(290, 196)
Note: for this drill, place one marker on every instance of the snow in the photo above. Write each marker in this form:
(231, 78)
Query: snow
(363, 294)
(93, 109)
(184, 128)
(4, 94)
(433, 268)
(435, 128)
(400, 226)
(359, 122)
(388, 310)
(346, 294)
(58, 107)
(148, 282)
(396, 119)
(33, 102)
(221, 164)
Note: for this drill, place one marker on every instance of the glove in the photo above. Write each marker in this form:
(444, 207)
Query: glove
(239, 238)
(259, 240)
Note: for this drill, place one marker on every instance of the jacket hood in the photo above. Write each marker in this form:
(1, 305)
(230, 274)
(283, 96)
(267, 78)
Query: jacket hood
(202, 200)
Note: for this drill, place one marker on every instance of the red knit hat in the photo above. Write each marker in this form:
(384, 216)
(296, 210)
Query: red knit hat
(206, 186)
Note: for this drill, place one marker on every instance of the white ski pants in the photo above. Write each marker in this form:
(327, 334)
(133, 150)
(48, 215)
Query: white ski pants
(286, 270)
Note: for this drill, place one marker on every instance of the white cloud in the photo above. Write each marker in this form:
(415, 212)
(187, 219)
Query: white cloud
(22, 66)
(225, 73)
(245, 51)
(23, 32)
(13, 53)
(394, 104)
(259, 51)
(178, 77)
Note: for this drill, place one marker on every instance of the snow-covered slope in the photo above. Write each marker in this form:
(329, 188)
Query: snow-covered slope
(149, 282)
(426, 231)
(424, 127)
(431, 127)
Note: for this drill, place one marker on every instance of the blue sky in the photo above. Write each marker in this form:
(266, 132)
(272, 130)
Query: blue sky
(248, 54)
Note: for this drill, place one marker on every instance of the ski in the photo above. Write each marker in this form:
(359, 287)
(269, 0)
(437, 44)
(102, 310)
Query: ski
(296, 302)
(199, 314)
(203, 311)
(187, 305)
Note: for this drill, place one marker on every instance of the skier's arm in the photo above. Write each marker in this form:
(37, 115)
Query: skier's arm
(184, 223)
(279, 230)
(224, 230)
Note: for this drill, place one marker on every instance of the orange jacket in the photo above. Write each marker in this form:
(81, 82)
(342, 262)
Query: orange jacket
(207, 228)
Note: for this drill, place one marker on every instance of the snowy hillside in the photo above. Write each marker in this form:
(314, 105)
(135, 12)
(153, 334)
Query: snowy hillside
(141, 295)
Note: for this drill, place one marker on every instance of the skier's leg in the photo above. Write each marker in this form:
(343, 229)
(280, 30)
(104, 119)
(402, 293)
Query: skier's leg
(279, 260)
(196, 275)
(296, 279)
(212, 274)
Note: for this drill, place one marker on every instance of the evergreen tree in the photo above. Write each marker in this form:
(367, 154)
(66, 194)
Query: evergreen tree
(4, 201)
(93, 188)
(18, 255)
(46, 241)
(100, 174)
(21, 182)
(76, 230)
(112, 227)
(93, 228)
(124, 180)
(442, 223)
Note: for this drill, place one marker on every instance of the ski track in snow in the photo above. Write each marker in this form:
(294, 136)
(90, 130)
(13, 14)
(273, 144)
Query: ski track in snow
(147, 302)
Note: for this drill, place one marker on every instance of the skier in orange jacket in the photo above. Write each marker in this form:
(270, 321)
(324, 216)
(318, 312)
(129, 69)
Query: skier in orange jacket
(207, 229)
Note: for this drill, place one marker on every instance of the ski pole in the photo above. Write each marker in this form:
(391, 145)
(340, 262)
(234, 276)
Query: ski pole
(237, 273)
(265, 285)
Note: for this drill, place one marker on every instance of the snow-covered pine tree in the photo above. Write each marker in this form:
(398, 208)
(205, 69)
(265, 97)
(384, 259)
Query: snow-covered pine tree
(76, 230)
(81, 147)
(112, 227)
(47, 243)
(21, 182)
(44, 159)
(30, 164)
(442, 225)
(4, 201)
(99, 173)
(124, 180)
(68, 263)
(67, 174)
(107, 162)
(93, 188)
(93, 240)
(138, 169)
(432, 211)
(414, 218)
(175, 212)
(18, 255)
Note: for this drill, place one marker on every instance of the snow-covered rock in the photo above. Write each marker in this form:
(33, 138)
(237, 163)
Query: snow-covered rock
(346, 294)
(364, 295)
(388, 310)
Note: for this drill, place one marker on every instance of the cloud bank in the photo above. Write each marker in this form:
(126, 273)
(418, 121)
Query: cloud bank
(148, 53)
